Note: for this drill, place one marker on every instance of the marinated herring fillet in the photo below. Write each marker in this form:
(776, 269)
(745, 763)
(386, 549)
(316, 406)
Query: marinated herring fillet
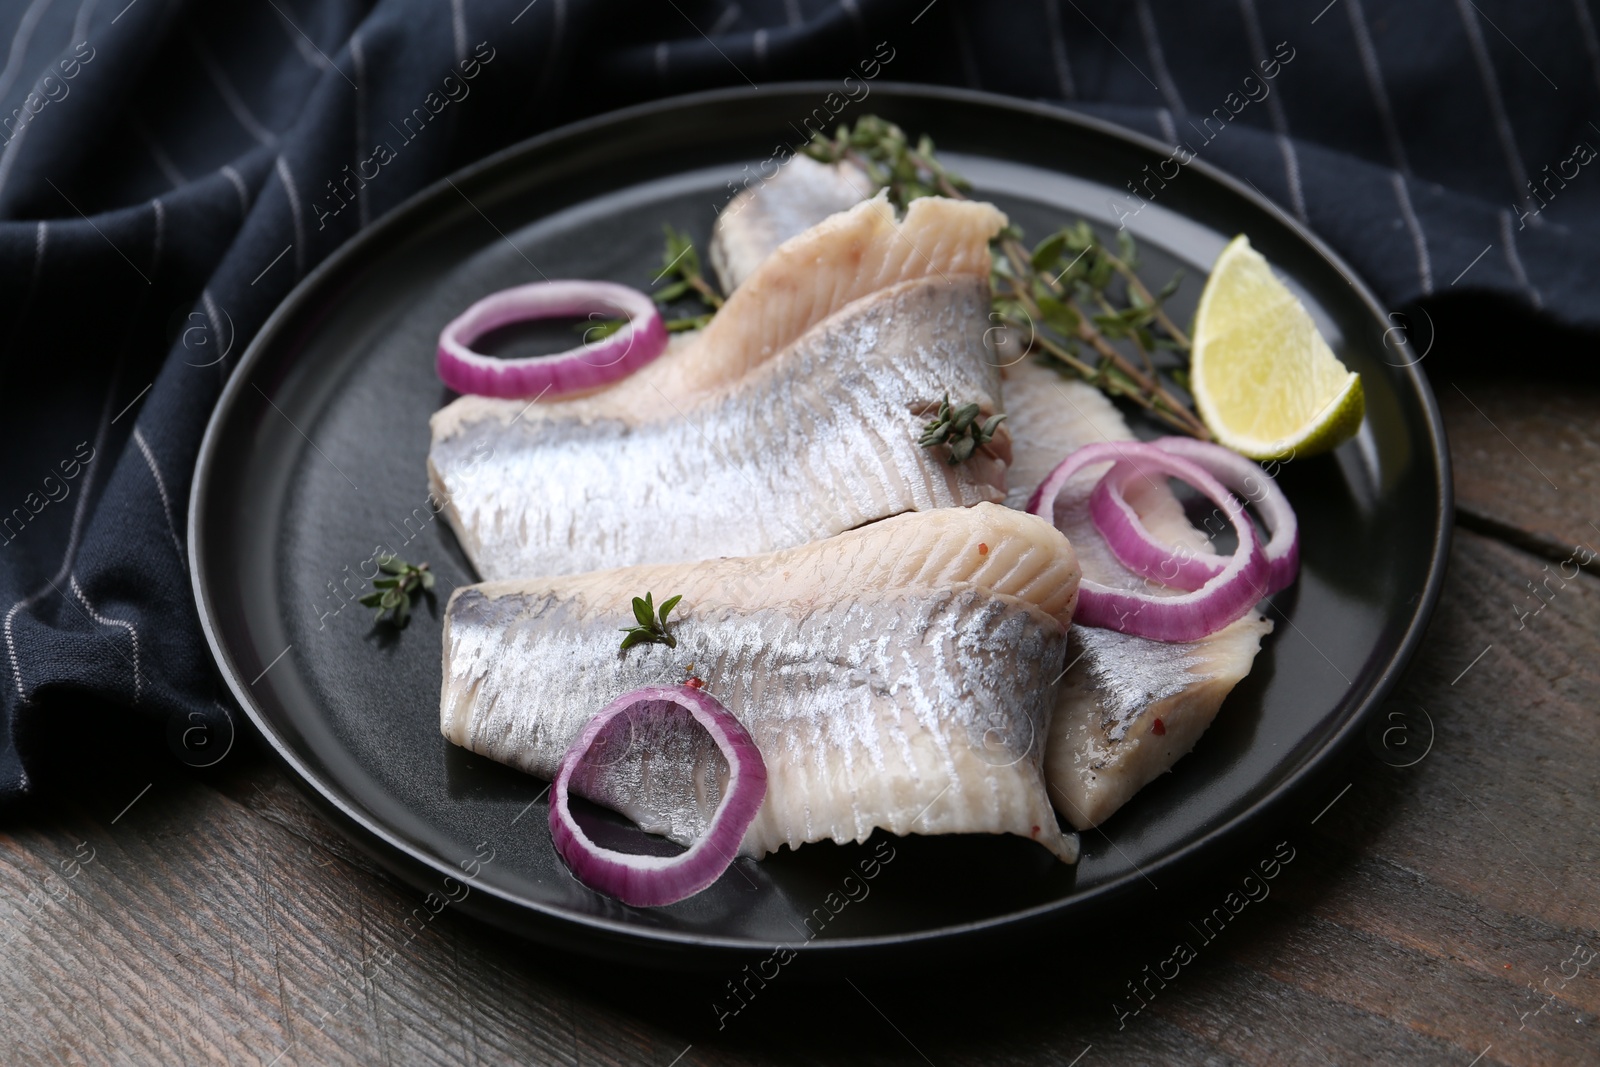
(1103, 747)
(768, 213)
(1105, 742)
(896, 676)
(792, 416)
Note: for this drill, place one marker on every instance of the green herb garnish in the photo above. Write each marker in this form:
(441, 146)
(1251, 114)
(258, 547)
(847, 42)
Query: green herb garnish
(1071, 299)
(882, 150)
(652, 625)
(679, 260)
(599, 329)
(393, 595)
(960, 429)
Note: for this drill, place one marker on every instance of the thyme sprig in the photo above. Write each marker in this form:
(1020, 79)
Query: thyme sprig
(959, 430)
(652, 624)
(679, 260)
(1071, 299)
(881, 149)
(393, 594)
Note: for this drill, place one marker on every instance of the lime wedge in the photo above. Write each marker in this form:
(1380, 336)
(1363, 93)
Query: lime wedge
(1264, 380)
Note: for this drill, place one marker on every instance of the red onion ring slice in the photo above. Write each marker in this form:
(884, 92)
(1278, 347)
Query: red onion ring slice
(1177, 566)
(1220, 600)
(1143, 553)
(651, 881)
(588, 366)
(1256, 486)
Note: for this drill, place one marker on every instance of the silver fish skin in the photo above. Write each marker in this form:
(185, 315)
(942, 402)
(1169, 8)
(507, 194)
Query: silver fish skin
(1105, 742)
(794, 415)
(816, 441)
(893, 677)
(1102, 746)
(769, 212)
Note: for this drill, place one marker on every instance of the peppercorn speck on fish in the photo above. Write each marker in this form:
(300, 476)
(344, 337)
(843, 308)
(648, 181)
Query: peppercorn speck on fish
(895, 677)
(793, 415)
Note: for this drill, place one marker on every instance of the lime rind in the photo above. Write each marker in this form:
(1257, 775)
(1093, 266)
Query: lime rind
(1264, 380)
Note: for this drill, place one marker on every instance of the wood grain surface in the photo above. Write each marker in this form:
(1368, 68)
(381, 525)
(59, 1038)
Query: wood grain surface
(1441, 904)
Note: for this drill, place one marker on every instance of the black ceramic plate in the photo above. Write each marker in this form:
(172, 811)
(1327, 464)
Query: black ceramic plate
(316, 453)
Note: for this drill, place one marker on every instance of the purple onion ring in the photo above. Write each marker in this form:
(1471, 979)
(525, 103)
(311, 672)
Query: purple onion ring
(651, 881)
(1220, 600)
(590, 365)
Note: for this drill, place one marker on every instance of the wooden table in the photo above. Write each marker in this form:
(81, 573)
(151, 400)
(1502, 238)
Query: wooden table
(1443, 912)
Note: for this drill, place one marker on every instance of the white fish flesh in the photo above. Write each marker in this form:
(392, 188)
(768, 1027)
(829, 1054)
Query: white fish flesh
(762, 217)
(895, 677)
(793, 415)
(1103, 745)
(1128, 707)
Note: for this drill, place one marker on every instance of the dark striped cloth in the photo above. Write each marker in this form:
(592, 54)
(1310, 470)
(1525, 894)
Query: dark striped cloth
(167, 174)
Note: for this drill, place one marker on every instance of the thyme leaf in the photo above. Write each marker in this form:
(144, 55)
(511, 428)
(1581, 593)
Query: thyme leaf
(959, 430)
(652, 622)
(680, 260)
(1073, 300)
(392, 595)
(882, 150)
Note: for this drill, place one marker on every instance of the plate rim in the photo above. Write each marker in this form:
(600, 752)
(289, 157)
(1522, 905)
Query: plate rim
(402, 859)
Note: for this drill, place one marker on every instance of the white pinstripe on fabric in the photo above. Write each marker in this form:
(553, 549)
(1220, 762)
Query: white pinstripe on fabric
(133, 633)
(80, 21)
(1058, 49)
(212, 313)
(1508, 240)
(1280, 121)
(308, 50)
(1291, 168)
(1158, 59)
(14, 146)
(74, 535)
(11, 645)
(724, 22)
(1497, 106)
(161, 490)
(282, 169)
(9, 155)
(558, 30)
(21, 38)
(41, 241)
(1169, 129)
(458, 27)
(230, 96)
(239, 187)
(1418, 240)
(1380, 94)
(214, 317)
(1258, 50)
(160, 239)
(358, 60)
(758, 44)
(661, 60)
